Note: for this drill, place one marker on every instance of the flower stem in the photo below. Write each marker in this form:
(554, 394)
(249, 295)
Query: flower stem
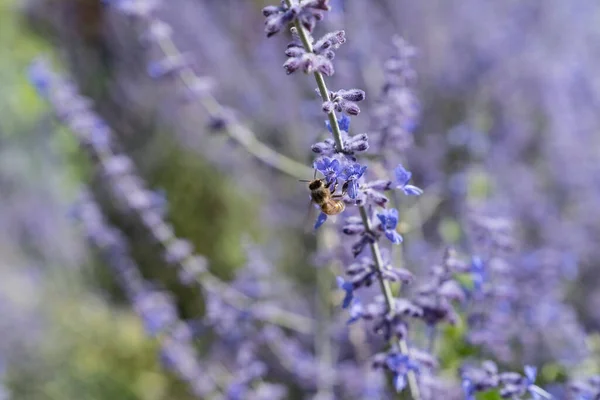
(238, 132)
(337, 135)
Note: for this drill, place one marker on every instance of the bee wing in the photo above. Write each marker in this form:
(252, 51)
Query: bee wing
(311, 215)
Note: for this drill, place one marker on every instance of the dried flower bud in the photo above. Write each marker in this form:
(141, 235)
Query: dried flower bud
(348, 107)
(328, 107)
(352, 94)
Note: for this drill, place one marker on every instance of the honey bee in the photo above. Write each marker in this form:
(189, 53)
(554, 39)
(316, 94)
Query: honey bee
(323, 196)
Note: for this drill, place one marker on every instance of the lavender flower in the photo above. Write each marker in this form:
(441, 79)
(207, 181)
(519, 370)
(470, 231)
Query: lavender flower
(317, 60)
(403, 177)
(306, 12)
(329, 167)
(348, 288)
(510, 384)
(350, 175)
(398, 364)
(344, 101)
(389, 221)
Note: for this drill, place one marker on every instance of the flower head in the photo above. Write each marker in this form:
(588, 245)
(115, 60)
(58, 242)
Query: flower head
(307, 13)
(356, 311)
(400, 365)
(344, 101)
(351, 174)
(329, 167)
(389, 221)
(403, 177)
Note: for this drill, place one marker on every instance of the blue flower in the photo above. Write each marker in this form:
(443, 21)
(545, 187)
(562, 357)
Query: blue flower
(351, 174)
(536, 392)
(329, 167)
(156, 310)
(477, 273)
(343, 123)
(389, 221)
(39, 76)
(320, 220)
(403, 177)
(468, 389)
(356, 311)
(348, 288)
(400, 365)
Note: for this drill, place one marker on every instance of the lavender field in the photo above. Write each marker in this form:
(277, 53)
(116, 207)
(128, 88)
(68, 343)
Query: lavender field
(299, 199)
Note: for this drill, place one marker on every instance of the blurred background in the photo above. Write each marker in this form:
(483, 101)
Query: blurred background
(509, 93)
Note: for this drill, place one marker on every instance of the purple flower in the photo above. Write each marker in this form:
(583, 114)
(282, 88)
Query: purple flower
(468, 389)
(344, 101)
(477, 273)
(400, 365)
(351, 174)
(535, 391)
(356, 311)
(343, 123)
(402, 177)
(348, 288)
(389, 221)
(329, 167)
(156, 309)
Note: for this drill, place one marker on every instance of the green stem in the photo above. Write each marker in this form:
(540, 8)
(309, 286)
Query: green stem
(337, 135)
(238, 132)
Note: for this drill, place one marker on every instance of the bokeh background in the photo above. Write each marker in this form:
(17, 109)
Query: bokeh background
(509, 93)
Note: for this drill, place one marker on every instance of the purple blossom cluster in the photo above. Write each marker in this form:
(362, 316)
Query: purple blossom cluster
(512, 385)
(387, 313)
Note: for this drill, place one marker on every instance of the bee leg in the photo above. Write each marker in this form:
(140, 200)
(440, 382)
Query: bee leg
(345, 187)
(334, 187)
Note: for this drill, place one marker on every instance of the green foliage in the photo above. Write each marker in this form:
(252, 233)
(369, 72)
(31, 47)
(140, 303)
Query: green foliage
(93, 350)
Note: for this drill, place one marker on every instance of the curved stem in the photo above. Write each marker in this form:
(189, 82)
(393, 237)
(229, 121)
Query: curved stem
(375, 251)
(240, 133)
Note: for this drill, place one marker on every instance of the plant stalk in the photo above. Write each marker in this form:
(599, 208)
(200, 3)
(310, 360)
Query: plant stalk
(337, 135)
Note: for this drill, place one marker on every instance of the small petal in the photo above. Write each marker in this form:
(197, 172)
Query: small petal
(352, 189)
(394, 237)
(320, 220)
(344, 123)
(399, 382)
(531, 373)
(402, 175)
(348, 288)
(411, 190)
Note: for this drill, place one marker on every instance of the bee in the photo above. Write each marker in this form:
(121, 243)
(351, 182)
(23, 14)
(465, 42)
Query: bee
(325, 197)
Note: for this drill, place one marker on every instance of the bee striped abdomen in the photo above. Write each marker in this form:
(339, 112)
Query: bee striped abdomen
(333, 207)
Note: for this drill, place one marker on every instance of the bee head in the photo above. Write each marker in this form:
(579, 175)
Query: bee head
(316, 184)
